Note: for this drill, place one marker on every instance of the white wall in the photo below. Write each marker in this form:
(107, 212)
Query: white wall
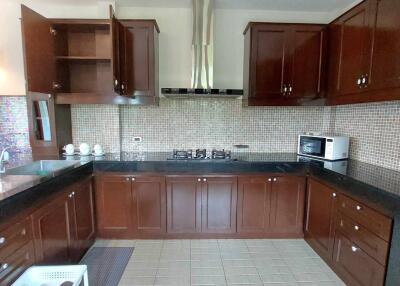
(176, 35)
(12, 78)
(175, 38)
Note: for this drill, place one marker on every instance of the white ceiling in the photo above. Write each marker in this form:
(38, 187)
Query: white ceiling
(323, 6)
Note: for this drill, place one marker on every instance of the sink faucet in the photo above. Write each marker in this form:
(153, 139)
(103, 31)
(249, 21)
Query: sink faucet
(4, 157)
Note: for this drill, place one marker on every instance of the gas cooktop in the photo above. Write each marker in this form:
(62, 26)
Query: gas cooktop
(201, 154)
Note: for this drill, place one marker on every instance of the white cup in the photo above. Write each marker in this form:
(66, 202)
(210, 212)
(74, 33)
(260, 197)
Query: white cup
(84, 149)
(69, 149)
(98, 150)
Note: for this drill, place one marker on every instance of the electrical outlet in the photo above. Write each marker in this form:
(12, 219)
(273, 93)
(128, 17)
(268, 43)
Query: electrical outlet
(137, 139)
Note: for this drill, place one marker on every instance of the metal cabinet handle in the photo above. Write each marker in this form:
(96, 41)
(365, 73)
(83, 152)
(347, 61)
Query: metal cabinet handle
(354, 248)
(275, 179)
(198, 180)
(3, 267)
(23, 232)
(356, 227)
(133, 179)
(116, 82)
(204, 180)
(128, 179)
(2, 240)
(358, 208)
(290, 88)
(70, 195)
(359, 81)
(334, 195)
(269, 179)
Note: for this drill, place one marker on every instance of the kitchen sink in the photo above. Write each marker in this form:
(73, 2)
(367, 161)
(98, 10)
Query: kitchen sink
(44, 168)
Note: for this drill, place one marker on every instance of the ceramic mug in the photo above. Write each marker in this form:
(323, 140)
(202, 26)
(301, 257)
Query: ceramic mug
(98, 150)
(69, 149)
(84, 149)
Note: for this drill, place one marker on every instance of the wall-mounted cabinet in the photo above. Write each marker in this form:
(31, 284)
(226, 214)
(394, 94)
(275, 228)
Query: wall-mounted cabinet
(283, 64)
(364, 63)
(80, 61)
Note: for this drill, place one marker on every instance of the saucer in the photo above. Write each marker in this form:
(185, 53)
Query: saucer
(84, 155)
(69, 155)
(98, 155)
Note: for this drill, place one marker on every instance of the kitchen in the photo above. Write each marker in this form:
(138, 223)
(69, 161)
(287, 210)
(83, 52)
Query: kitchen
(215, 128)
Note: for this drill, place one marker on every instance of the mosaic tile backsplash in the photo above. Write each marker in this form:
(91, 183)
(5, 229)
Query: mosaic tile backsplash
(220, 123)
(14, 124)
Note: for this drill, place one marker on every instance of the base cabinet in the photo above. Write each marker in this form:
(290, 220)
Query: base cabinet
(183, 204)
(354, 265)
(320, 215)
(130, 206)
(52, 232)
(271, 205)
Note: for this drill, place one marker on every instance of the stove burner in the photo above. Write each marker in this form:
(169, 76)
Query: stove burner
(201, 154)
(182, 154)
(220, 154)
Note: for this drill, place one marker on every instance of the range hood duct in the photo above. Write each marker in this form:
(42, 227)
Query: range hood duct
(202, 44)
(202, 58)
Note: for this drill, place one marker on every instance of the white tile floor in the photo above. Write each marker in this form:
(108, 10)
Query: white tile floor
(286, 262)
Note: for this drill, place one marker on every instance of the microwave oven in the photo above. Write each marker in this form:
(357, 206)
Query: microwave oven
(324, 147)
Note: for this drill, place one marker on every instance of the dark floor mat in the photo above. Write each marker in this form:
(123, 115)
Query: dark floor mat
(106, 264)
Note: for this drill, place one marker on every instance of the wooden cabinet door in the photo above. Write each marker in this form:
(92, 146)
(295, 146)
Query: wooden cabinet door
(52, 232)
(38, 44)
(116, 64)
(350, 50)
(385, 24)
(219, 196)
(267, 63)
(254, 204)
(149, 204)
(183, 204)
(319, 227)
(287, 208)
(354, 266)
(307, 60)
(83, 210)
(113, 205)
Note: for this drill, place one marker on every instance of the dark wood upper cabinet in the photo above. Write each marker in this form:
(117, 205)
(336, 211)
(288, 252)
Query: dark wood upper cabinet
(350, 50)
(283, 63)
(149, 205)
(80, 60)
(138, 48)
(114, 206)
(287, 208)
(385, 65)
(183, 204)
(40, 66)
(364, 65)
(320, 218)
(219, 196)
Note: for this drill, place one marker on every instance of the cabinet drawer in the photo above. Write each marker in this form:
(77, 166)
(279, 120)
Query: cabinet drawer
(14, 237)
(355, 266)
(15, 264)
(373, 245)
(367, 217)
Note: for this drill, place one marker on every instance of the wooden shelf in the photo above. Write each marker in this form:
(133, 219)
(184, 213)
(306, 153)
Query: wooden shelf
(79, 58)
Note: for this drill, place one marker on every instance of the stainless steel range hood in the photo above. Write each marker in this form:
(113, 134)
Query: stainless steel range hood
(202, 57)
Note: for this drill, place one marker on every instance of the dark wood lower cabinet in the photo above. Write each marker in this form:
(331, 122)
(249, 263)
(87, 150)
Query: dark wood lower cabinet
(271, 205)
(52, 232)
(149, 205)
(113, 205)
(253, 209)
(218, 204)
(183, 204)
(83, 222)
(355, 266)
(320, 216)
(287, 208)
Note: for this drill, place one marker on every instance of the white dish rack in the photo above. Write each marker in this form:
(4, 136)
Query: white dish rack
(53, 276)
